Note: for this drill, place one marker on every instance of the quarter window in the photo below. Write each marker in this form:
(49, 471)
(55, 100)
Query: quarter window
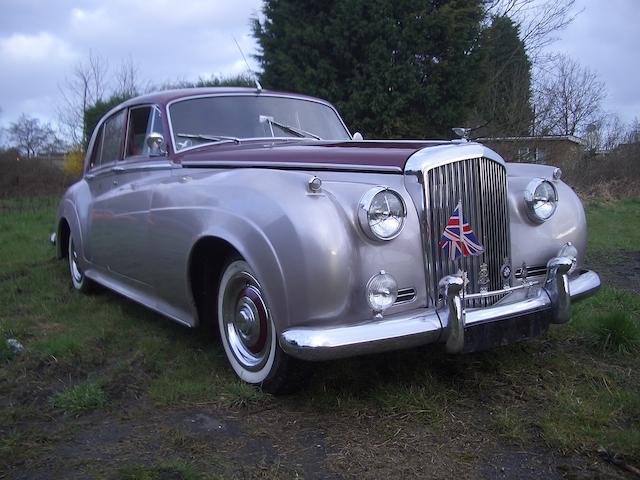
(97, 149)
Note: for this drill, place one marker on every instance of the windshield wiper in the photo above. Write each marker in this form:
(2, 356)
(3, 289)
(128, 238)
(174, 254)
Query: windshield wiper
(287, 128)
(212, 138)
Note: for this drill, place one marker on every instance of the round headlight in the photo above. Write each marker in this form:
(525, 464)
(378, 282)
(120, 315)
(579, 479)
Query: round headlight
(541, 200)
(382, 291)
(381, 213)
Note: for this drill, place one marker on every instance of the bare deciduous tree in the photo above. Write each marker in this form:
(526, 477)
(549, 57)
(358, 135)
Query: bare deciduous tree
(606, 133)
(126, 79)
(83, 88)
(633, 132)
(31, 137)
(536, 19)
(567, 98)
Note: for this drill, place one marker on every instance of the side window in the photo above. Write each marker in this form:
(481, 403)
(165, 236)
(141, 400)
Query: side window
(112, 138)
(96, 154)
(142, 122)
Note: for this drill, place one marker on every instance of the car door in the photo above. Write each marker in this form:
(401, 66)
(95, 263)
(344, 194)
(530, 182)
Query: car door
(102, 181)
(143, 166)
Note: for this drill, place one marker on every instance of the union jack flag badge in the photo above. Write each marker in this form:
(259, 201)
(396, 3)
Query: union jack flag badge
(458, 237)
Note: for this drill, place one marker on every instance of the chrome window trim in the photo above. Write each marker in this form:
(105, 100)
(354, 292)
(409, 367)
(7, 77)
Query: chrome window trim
(141, 165)
(240, 94)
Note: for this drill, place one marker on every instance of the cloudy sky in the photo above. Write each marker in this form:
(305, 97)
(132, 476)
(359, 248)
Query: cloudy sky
(42, 40)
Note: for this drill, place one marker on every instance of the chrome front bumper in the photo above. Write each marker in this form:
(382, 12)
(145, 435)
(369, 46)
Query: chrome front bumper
(549, 300)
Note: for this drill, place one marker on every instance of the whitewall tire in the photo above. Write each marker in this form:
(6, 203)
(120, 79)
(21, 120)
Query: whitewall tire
(248, 333)
(78, 279)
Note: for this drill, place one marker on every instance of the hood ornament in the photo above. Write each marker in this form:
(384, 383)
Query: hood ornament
(462, 132)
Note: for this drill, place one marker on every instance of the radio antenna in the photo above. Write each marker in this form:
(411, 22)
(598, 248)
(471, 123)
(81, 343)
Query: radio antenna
(253, 74)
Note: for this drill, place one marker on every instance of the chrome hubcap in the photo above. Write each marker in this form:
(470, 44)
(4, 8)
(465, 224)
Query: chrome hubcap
(246, 321)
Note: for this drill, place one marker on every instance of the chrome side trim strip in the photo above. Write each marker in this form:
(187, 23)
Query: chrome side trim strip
(144, 166)
(291, 166)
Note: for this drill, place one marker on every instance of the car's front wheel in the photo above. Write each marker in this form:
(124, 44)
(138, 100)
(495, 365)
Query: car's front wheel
(248, 333)
(78, 279)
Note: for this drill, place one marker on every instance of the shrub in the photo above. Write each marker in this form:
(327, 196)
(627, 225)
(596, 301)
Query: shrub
(74, 163)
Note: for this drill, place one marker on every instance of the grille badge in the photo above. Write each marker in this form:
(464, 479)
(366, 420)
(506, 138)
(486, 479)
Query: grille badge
(483, 278)
(505, 272)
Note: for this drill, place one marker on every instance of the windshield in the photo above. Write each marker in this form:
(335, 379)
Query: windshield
(211, 119)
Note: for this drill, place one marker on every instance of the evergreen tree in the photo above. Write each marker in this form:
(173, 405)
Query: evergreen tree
(504, 106)
(407, 69)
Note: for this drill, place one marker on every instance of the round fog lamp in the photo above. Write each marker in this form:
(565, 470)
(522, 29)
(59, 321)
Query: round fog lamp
(382, 291)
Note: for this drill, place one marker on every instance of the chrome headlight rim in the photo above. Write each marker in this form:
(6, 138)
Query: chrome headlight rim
(530, 200)
(364, 208)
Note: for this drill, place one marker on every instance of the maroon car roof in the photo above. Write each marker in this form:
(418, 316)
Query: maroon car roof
(389, 156)
(165, 96)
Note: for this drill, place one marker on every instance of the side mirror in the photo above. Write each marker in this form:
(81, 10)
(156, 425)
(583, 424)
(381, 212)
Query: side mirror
(155, 142)
(358, 137)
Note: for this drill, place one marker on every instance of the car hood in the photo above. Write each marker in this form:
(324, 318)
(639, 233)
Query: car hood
(389, 156)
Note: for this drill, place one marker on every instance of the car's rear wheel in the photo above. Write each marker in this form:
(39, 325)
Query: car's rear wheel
(78, 279)
(248, 333)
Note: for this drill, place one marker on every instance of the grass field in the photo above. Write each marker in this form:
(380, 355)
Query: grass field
(108, 389)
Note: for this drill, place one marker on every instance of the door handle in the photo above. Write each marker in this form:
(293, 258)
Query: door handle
(115, 182)
(117, 169)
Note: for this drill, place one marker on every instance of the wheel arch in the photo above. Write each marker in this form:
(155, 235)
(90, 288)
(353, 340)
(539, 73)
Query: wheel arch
(207, 259)
(68, 224)
(63, 234)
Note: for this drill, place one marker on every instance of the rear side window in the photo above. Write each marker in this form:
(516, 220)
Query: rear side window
(112, 138)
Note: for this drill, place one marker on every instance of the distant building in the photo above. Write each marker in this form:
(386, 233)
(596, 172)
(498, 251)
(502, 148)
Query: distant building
(546, 149)
(628, 150)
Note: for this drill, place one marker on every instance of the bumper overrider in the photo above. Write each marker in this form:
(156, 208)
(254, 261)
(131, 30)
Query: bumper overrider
(525, 312)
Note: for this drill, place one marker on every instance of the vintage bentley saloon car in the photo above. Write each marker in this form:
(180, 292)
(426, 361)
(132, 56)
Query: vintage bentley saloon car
(260, 213)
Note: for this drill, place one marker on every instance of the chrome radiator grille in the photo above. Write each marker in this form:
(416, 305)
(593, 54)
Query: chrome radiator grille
(481, 185)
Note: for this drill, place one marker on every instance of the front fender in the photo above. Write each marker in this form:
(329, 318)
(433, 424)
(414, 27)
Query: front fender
(535, 243)
(296, 242)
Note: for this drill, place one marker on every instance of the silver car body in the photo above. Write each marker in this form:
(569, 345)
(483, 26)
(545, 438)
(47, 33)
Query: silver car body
(139, 223)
